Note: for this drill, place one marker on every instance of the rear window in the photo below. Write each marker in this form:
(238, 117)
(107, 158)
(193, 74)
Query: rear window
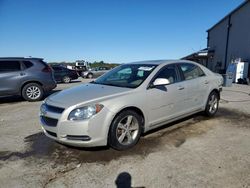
(27, 64)
(44, 63)
(9, 66)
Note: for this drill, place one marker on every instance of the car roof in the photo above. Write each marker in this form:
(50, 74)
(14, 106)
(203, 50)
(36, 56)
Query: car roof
(158, 62)
(20, 58)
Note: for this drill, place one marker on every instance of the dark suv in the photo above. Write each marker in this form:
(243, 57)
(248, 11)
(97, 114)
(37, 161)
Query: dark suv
(63, 74)
(27, 77)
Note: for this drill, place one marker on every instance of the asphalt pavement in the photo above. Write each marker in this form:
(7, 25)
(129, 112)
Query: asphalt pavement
(193, 152)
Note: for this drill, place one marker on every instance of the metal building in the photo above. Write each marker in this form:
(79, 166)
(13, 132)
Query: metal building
(199, 57)
(229, 40)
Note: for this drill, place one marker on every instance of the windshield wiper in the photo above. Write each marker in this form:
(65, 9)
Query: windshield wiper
(109, 84)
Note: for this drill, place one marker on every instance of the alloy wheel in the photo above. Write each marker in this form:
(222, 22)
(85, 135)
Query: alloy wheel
(127, 130)
(33, 92)
(66, 79)
(213, 104)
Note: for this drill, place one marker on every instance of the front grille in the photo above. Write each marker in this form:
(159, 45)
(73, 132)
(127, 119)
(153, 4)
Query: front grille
(51, 133)
(54, 109)
(49, 121)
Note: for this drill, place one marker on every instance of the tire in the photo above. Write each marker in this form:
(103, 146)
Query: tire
(125, 130)
(90, 76)
(212, 104)
(32, 92)
(66, 79)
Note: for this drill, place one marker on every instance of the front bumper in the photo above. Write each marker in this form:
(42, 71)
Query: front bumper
(87, 133)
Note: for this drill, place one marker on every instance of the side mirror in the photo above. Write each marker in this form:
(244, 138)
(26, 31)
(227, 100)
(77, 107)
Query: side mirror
(161, 82)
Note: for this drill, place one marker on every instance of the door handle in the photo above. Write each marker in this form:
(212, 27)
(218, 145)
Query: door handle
(22, 74)
(180, 88)
(206, 82)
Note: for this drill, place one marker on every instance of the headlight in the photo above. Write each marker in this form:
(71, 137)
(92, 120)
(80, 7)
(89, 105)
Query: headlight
(85, 112)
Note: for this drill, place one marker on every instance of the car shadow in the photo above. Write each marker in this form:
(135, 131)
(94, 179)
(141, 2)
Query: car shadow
(75, 81)
(71, 82)
(11, 99)
(44, 149)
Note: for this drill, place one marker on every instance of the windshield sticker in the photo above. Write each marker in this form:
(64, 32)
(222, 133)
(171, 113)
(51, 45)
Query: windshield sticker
(145, 68)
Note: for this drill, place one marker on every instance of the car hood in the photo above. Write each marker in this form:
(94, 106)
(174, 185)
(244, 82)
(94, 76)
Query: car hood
(85, 93)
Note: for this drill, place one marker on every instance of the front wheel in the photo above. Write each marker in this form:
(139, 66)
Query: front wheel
(212, 104)
(125, 130)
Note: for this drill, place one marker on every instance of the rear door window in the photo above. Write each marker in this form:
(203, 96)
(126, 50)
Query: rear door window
(191, 71)
(10, 66)
(27, 64)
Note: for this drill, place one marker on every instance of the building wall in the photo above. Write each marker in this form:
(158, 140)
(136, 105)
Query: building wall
(217, 43)
(239, 41)
(239, 38)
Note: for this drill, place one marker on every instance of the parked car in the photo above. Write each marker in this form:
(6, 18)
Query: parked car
(63, 74)
(131, 99)
(95, 72)
(27, 77)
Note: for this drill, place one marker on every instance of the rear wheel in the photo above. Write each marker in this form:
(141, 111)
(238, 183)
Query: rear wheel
(212, 104)
(66, 79)
(125, 131)
(32, 92)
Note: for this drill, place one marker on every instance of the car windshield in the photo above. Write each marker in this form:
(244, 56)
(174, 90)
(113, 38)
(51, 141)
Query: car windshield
(127, 75)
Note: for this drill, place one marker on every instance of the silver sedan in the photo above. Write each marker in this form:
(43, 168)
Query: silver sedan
(130, 100)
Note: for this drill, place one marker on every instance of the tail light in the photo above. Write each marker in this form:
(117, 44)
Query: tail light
(47, 69)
